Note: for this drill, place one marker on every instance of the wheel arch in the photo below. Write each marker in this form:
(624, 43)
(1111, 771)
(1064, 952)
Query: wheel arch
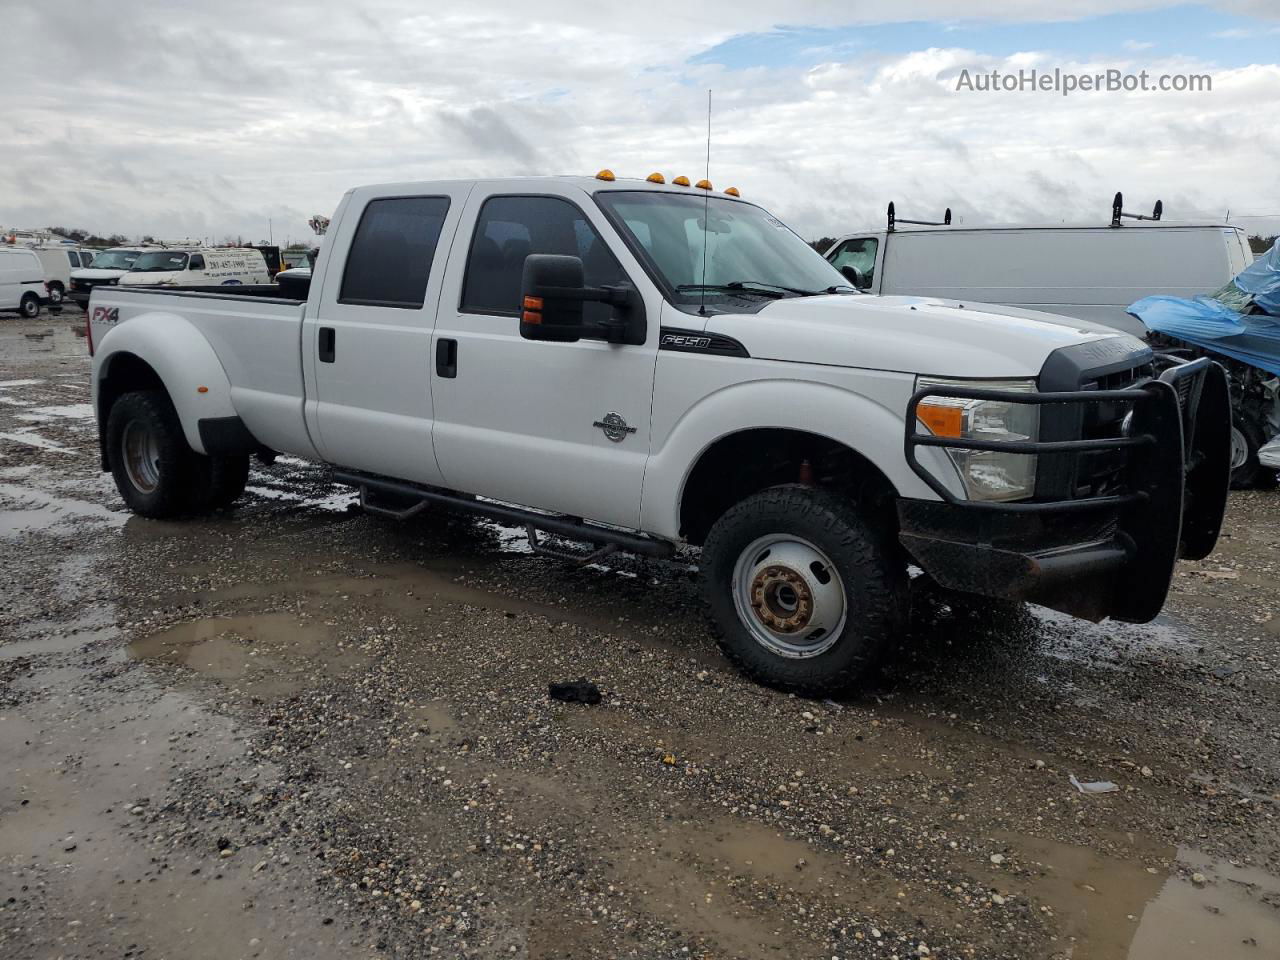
(162, 351)
(757, 434)
(751, 459)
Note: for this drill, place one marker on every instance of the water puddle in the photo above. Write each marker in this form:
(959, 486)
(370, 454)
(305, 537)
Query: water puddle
(1111, 908)
(1235, 915)
(40, 511)
(28, 437)
(52, 643)
(268, 655)
(68, 411)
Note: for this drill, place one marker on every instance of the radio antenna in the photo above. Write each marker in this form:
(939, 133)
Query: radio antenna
(706, 209)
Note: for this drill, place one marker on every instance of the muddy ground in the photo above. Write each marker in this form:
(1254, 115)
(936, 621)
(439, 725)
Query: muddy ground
(292, 730)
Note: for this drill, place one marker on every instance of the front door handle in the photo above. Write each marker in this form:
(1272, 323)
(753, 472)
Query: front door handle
(447, 357)
(328, 344)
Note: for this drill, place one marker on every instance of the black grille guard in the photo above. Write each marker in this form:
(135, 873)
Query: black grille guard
(1173, 492)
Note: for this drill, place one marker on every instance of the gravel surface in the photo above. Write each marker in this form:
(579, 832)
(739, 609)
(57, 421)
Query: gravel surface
(290, 729)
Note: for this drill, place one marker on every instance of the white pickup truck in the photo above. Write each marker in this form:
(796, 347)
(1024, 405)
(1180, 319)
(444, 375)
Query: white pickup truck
(636, 365)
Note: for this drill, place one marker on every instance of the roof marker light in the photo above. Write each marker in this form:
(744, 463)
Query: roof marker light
(680, 181)
(703, 184)
(606, 174)
(733, 192)
(656, 178)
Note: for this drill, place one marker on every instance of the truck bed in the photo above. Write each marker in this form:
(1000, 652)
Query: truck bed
(248, 337)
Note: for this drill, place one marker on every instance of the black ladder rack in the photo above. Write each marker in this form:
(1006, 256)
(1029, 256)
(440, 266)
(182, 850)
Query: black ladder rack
(1118, 211)
(944, 222)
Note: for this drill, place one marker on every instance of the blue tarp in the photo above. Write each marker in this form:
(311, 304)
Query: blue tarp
(1213, 324)
(1262, 279)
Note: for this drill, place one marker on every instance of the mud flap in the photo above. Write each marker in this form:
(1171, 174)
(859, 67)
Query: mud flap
(1207, 424)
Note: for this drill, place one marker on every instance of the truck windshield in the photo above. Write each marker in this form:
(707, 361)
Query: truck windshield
(749, 254)
(114, 259)
(159, 261)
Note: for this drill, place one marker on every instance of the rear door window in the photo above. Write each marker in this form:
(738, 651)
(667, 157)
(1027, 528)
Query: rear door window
(510, 229)
(390, 257)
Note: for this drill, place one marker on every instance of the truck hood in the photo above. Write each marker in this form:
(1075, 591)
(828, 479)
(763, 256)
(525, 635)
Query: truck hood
(89, 273)
(921, 335)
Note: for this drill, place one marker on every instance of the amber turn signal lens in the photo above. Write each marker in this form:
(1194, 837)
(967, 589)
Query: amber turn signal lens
(942, 420)
(533, 303)
(531, 316)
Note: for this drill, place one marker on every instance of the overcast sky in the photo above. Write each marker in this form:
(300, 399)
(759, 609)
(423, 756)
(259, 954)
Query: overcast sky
(206, 119)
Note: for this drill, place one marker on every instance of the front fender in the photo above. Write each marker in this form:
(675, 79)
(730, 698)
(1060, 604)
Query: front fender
(182, 358)
(872, 428)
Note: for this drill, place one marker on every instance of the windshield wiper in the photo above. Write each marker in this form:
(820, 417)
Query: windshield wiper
(736, 287)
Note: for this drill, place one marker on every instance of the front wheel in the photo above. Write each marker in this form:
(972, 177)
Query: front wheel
(804, 594)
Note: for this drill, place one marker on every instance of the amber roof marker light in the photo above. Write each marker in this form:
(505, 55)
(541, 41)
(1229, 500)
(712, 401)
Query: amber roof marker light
(680, 181)
(656, 178)
(606, 174)
(732, 191)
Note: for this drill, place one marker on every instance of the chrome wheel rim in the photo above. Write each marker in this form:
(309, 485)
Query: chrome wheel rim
(789, 596)
(1239, 449)
(141, 452)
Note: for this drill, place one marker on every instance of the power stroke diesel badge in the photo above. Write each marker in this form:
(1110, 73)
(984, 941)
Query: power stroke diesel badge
(614, 427)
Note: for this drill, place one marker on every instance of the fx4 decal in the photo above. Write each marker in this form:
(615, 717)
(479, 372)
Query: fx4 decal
(106, 314)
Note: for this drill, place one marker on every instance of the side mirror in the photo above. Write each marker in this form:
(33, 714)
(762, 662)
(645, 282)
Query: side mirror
(552, 291)
(854, 276)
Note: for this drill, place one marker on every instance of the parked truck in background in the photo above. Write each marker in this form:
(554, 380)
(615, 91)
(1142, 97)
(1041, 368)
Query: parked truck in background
(639, 365)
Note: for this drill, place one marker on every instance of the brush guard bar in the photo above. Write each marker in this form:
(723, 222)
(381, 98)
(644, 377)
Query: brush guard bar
(1102, 555)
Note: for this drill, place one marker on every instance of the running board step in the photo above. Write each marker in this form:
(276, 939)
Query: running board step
(606, 539)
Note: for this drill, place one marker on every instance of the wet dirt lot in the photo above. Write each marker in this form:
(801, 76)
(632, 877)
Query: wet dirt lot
(291, 730)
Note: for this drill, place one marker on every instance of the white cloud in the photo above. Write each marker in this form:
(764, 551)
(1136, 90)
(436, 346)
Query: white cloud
(210, 119)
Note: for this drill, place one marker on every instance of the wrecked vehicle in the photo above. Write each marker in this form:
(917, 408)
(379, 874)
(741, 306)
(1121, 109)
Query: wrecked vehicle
(636, 365)
(1239, 327)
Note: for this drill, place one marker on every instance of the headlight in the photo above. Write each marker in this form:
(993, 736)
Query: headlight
(985, 474)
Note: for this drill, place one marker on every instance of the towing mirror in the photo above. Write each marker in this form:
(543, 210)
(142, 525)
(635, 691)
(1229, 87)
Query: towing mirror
(552, 291)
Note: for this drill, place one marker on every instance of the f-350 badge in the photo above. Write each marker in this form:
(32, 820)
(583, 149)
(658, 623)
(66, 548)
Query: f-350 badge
(614, 427)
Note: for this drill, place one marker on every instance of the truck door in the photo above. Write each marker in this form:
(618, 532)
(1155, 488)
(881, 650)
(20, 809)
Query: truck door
(558, 426)
(861, 254)
(367, 340)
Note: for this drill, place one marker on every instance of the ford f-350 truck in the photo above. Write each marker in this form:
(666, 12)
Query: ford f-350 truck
(637, 365)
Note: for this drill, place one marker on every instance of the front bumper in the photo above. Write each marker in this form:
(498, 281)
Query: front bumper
(1103, 554)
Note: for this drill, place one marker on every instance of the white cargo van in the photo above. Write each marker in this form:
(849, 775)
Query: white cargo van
(1085, 272)
(198, 267)
(21, 281)
(58, 262)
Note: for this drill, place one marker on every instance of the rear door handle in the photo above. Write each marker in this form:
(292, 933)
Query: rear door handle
(447, 357)
(328, 344)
